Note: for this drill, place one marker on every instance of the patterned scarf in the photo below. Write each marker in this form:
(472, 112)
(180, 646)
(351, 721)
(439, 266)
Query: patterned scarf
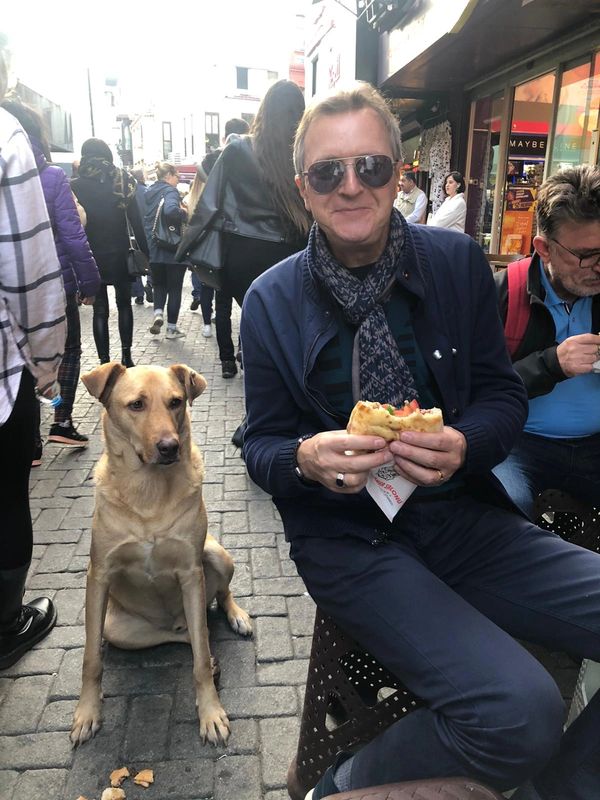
(379, 371)
(103, 171)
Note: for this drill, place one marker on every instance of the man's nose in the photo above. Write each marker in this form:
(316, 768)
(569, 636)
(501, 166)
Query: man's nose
(350, 182)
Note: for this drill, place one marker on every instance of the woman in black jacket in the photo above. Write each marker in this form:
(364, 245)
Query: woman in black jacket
(108, 197)
(252, 185)
(167, 273)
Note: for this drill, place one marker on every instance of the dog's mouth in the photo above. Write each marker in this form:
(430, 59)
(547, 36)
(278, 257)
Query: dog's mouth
(165, 461)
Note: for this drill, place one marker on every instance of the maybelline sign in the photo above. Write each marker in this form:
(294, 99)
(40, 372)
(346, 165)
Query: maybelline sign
(530, 145)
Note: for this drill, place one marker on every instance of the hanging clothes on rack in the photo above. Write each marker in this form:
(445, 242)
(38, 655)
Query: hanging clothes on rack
(434, 157)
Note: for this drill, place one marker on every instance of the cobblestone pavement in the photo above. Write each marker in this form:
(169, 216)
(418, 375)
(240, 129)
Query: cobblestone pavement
(150, 716)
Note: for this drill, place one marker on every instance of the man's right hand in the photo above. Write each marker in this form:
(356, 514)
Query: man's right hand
(330, 453)
(577, 354)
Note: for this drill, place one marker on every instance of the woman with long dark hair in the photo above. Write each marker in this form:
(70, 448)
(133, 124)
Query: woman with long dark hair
(252, 184)
(453, 211)
(107, 194)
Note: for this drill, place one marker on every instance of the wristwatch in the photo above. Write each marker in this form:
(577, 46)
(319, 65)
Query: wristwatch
(300, 475)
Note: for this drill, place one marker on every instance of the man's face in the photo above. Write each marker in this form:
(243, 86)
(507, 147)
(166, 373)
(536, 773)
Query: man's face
(406, 184)
(568, 279)
(354, 217)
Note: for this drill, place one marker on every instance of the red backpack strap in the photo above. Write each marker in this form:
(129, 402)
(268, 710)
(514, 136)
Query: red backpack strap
(519, 309)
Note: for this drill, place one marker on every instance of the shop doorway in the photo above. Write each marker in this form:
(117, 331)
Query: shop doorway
(531, 121)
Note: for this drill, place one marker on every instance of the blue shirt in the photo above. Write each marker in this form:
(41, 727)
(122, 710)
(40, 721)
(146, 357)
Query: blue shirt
(571, 409)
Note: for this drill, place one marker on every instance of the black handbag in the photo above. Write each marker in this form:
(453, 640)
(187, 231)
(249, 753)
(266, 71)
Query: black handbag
(165, 234)
(206, 257)
(137, 263)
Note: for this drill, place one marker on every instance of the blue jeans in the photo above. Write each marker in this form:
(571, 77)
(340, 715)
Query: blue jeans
(537, 463)
(438, 604)
(205, 295)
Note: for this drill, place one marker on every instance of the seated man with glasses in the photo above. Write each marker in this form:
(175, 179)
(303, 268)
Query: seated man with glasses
(375, 308)
(556, 351)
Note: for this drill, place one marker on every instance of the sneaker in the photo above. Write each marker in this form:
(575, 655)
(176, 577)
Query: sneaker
(195, 304)
(174, 333)
(157, 324)
(149, 293)
(207, 331)
(139, 301)
(228, 369)
(67, 435)
(36, 461)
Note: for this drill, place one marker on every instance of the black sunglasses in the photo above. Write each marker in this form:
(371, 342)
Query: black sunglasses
(373, 171)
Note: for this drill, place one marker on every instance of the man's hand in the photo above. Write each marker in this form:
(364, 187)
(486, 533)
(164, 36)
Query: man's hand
(429, 459)
(577, 354)
(331, 453)
(87, 301)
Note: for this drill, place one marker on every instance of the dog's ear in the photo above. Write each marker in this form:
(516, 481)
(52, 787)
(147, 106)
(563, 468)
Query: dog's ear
(100, 381)
(193, 383)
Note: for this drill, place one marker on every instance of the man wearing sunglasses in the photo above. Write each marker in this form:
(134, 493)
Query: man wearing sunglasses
(379, 309)
(555, 357)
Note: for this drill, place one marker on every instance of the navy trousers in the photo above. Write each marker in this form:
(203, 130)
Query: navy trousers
(439, 604)
(537, 463)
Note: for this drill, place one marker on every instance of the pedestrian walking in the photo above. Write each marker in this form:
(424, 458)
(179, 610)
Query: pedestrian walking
(202, 295)
(138, 289)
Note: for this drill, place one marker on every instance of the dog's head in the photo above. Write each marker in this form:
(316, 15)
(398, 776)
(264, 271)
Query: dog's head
(146, 407)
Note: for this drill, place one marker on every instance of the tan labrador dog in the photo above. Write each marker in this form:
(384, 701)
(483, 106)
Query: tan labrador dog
(153, 568)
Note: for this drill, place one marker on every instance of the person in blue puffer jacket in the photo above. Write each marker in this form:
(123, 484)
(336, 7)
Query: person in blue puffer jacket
(80, 274)
(167, 274)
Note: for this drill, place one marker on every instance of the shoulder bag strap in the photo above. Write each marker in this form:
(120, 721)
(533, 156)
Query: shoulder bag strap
(519, 308)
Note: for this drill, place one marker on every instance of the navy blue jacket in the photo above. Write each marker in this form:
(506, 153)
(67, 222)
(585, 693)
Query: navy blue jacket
(173, 212)
(286, 321)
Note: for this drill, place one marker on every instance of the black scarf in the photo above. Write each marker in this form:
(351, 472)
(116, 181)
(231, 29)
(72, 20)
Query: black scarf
(379, 372)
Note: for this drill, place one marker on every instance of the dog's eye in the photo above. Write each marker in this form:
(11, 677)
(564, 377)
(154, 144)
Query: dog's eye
(137, 405)
(175, 402)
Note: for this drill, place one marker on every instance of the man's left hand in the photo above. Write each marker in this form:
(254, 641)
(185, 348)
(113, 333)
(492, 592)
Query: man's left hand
(429, 459)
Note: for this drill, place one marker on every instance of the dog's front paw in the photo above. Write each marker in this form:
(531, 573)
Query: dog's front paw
(240, 621)
(87, 721)
(214, 726)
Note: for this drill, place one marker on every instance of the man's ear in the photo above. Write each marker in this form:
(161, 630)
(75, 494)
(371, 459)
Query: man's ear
(193, 383)
(541, 246)
(100, 381)
(299, 181)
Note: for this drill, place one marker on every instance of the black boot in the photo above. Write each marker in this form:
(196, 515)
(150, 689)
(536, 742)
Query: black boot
(126, 359)
(101, 336)
(21, 626)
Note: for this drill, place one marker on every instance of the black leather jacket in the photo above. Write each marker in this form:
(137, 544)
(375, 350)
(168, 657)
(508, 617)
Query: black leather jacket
(236, 200)
(536, 360)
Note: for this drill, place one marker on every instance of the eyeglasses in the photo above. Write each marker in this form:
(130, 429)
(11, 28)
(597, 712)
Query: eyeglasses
(372, 171)
(585, 262)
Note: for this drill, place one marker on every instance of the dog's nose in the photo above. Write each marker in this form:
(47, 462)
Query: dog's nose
(168, 449)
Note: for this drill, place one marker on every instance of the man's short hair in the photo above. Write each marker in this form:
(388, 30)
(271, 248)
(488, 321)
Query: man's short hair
(236, 125)
(360, 96)
(410, 175)
(571, 195)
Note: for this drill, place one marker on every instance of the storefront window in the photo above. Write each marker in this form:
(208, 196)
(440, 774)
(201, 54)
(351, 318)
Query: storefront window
(530, 123)
(483, 169)
(577, 116)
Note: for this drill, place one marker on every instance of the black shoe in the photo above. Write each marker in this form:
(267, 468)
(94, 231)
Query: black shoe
(228, 369)
(35, 620)
(139, 301)
(238, 437)
(126, 359)
(239, 358)
(195, 304)
(67, 435)
(149, 293)
(36, 461)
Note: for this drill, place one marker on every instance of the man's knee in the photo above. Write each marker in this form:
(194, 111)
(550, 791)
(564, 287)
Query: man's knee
(518, 732)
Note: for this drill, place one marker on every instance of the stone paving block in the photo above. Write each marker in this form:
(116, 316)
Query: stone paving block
(259, 701)
(36, 662)
(147, 728)
(280, 586)
(67, 637)
(75, 477)
(212, 492)
(161, 656)
(302, 646)
(67, 683)
(231, 541)
(261, 514)
(50, 519)
(185, 742)
(288, 568)
(62, 536)
(78, 564)
(265, 562)
(241, 583)
(8, 781)
(49, 502)
(55, 557)
(238, 662)
(69, 603)
(235, 521)
(301, 612)
(57, 716)
(284, 673)
(278, 745)
(83, 507)
(45, 487)
(152, 681)
(62, 580)
(273, 639)
(237, 778)
(235, 483)
(5, 684)
(182, 780)
(277, 794)
(92, 764)
(84, 543)
(36, 750)
(24, 704)
(41, 784)
(265, 606)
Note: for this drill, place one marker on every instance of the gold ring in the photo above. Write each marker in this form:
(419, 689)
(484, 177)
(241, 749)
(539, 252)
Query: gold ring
(441, 474)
